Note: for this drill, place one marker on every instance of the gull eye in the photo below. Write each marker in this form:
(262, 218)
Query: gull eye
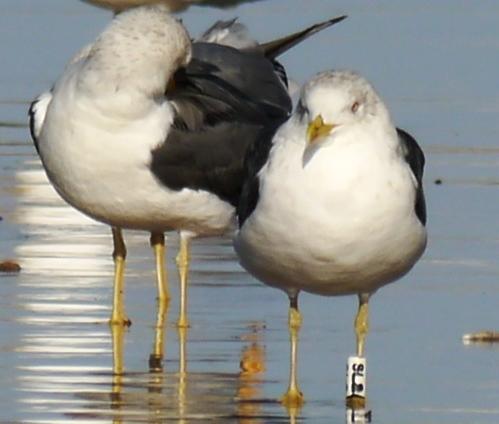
(355, 107)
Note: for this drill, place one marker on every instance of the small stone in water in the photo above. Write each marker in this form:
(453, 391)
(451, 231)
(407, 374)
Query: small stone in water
(481, 337)
(9, 266)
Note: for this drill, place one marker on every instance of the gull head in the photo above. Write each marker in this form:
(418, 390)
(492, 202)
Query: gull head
(140, 50)
(335, 101)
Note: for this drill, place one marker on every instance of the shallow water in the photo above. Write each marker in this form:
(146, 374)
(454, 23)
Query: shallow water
(436, 65)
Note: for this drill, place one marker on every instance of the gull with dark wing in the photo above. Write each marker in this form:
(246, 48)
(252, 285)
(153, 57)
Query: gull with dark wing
(333, 201)
(145, 130)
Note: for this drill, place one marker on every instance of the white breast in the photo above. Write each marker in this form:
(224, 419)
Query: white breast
(339, 221)
(99, 162)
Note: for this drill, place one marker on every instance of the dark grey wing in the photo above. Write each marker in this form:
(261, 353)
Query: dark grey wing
(246, 78)
(224, 98)
(234, 34)
(256, 157)
(275, 48)
(209, 160)
(416, 160)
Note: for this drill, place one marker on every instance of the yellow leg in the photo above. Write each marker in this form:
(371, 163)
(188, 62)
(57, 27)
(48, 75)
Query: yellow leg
(118, 316)
(293, 398)
(362, 323)
(183, 260)
(361, 329)
(158, 244)
(156, 357)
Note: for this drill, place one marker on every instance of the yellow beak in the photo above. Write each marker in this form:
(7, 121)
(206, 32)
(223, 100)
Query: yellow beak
(317, 129)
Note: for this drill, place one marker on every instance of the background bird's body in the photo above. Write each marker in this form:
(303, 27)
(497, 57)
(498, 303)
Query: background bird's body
(103, 161)
(104, 122)
(325, 221)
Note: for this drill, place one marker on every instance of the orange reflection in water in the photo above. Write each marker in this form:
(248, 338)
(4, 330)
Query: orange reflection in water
(252, 367)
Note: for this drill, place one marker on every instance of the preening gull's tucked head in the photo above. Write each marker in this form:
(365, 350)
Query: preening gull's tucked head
(140, 49)
(336, 100)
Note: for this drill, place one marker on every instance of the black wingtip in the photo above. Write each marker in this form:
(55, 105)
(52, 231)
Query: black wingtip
(340, 18)
(332, 21)
(277, 47)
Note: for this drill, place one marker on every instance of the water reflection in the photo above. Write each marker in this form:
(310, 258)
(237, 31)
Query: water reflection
(118, 334)
(72, 365)
(252, 367)
(184, 395)
(48, 224)
(358, 416)
(182, 373)
(99, 393)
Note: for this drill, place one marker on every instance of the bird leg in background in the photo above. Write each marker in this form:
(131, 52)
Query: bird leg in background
(156, 357)
(183, 259)
(362, 323)
(118, 316)
(158, 244)
(293, 398)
